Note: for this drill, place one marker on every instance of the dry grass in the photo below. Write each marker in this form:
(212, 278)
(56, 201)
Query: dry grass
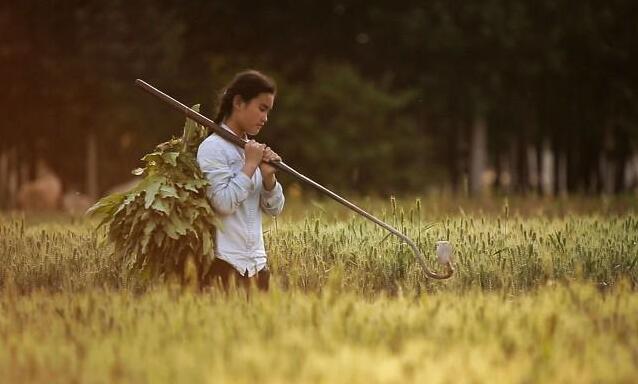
(537, 298)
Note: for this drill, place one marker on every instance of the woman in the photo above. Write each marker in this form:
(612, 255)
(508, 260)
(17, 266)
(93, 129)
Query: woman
(241, 183)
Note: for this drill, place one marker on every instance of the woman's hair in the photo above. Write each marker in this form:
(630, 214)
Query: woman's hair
(248, 85)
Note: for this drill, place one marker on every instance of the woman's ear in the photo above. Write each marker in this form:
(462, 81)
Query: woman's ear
(237, 102)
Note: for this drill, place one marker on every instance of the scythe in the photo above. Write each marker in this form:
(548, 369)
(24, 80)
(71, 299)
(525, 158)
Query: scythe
(203, 120)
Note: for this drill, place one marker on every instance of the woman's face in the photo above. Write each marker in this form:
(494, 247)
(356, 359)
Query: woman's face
(252, 116)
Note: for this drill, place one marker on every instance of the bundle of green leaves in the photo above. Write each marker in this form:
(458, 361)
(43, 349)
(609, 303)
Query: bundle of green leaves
(165, 225)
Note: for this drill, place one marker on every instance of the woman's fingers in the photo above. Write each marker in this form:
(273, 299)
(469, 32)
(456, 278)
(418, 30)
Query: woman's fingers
(270, 155)
(267, 153)
(254, 152)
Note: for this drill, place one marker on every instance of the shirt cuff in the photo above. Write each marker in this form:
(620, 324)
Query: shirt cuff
(273, 192)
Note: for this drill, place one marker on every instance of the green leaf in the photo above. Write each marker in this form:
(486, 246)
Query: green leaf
(154, 156)
(171, 231)
(180, 226)
(130, 197)
(106, 206)
(161, 205)
(170, 158)
(201, 203)
(189, 213)
(190, 187)
(194, 185)
(168, 191)
(151, 192)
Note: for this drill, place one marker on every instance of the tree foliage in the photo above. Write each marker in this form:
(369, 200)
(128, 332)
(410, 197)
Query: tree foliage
(341, 118)
(535, 70)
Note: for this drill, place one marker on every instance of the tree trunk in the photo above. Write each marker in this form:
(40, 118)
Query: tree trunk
(12, 176)
(454, 157)
(562, 174)
(622, 157)
(521, 171)
(547, 169)
(91, 166)
(631, 173)
(606, 169)
(4, 178)
(498, 168)
(503, 169)
(606, 166)
(593, 181)
(478, 155)
(25, 170)
(532, 168)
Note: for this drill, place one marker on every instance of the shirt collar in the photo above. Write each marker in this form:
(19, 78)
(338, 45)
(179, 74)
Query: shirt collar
(226, 127)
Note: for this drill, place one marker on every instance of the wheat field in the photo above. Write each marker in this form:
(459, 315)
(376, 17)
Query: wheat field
(543, 292)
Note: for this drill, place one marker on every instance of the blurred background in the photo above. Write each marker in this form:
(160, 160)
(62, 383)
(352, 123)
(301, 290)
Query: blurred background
(375, 97)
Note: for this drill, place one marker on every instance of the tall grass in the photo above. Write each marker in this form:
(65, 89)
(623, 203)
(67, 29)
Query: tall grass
(565, 333)
(498, 251)
(547, 295)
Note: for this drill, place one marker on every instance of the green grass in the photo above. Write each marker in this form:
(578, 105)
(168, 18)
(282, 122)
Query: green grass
(538, 297)
(570, 333)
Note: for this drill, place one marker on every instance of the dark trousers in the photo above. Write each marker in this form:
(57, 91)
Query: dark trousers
(224, 274)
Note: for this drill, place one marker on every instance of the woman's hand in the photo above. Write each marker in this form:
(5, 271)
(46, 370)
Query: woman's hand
(253, 153)
(267, 170)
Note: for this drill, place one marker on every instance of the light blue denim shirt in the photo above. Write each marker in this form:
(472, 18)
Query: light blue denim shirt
(239, 201)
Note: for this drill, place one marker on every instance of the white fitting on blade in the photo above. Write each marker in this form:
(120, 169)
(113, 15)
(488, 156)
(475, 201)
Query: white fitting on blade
(444, 252)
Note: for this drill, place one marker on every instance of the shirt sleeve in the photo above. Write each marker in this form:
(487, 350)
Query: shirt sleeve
(272, 202)
(228, 188)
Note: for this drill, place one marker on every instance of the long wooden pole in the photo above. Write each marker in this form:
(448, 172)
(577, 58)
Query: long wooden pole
(203, 120)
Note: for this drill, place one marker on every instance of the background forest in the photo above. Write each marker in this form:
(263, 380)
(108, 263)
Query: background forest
(377, 97)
